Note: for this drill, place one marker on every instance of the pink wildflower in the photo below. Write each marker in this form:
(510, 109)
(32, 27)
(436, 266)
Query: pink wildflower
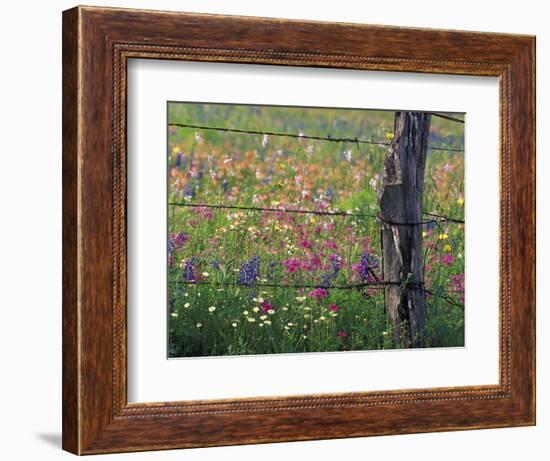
(307, 244)
(448, 259)
(265, 307)
(331, 244)
(318, 294)
(312, 264)
(204, 211)
(292, 265)
(342, 334)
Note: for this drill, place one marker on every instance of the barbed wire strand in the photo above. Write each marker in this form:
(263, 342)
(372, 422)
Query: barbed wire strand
(437, 217)
(328, 138)
(380, 285)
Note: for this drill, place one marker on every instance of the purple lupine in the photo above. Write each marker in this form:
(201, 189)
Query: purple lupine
(178, 159)
(250, 272)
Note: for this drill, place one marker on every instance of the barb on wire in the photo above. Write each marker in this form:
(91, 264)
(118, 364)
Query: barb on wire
(436, 218)
(444, 218)
(446, 298)
(447, 117)
(328, 138)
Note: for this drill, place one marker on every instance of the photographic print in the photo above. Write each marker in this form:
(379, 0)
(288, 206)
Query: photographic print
(300, 229)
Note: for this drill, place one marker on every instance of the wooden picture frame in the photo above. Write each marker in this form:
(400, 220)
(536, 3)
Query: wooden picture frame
(97, 43)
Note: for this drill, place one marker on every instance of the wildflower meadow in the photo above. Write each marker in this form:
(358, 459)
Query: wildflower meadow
(274, 241)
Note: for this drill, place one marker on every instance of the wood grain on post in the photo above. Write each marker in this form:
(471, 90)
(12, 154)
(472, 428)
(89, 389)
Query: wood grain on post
(401, 210)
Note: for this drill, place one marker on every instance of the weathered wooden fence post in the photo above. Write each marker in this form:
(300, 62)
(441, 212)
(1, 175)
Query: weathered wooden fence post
(401, 211)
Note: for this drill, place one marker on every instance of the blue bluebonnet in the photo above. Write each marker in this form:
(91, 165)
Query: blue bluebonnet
(181, 238)
(430, 225)
(272, 267)
(326, 280)
(189, 269)
(250, 272)
(269, 176)
(252, 292)
(364, 266)
(170, 246)
(189, 191)
(225, 186)
(216, 264)
(178, 159)
(335, 264)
